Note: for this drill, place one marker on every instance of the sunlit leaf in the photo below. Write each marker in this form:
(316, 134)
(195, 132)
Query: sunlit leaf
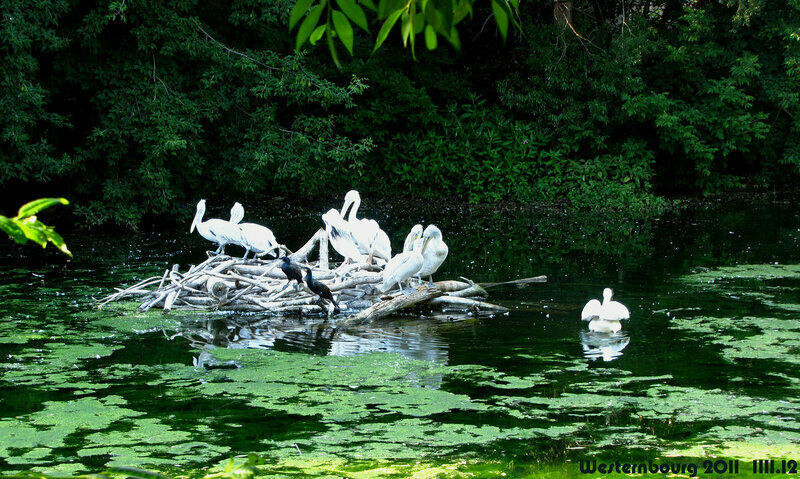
(33, 231)
(501, 16)
(36, 206)
(430, 38)
(308, 26)
(405, 28)
(317, 34)
(354, 13)
(13, 230)
(386, 28)
(57, 241)
(300, 8)
(343, 29)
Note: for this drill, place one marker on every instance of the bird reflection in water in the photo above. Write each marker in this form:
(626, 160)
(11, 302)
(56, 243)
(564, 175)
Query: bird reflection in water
(414, 340)
(605, 346)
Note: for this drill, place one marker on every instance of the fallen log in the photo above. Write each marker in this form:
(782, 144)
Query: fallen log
(398, 302)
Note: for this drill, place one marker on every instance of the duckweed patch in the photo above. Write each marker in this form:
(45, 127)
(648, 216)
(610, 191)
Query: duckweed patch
(84, 389)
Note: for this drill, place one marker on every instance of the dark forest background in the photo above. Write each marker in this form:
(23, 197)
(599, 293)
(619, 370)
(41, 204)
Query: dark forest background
(136, 109)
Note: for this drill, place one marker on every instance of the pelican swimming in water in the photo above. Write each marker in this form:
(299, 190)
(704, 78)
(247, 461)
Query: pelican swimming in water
(403, 266)
(369, 238)
(340, 236)
(434, 252)
(256, 238)
(605, 317)
(217, 230)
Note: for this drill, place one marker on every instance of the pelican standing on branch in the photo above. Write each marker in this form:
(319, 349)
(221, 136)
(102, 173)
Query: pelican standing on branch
(402, 266)
(370, 239)
(256, 238)
(217, 230)
(339, 235)
(434, 252)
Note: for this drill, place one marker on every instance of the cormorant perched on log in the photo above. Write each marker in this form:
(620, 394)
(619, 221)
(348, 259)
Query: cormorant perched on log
(320, 288)
(292, 271)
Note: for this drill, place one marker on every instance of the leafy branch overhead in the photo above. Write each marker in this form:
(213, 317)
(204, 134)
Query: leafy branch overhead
(25, 226)
(430, 18)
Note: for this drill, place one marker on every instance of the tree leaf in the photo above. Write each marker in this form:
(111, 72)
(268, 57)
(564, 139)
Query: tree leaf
(463, 9)
(430, 38)
(369, 4)
(57, 241)
(405, 28)
(33, 231)
(317, 34)
(419, 23)
(501, 16)
(308, 26)
(343, 29)
(300, 8)
(386, 28)
(354, 12)
(35, 206)
(332, 47)
(10, 227)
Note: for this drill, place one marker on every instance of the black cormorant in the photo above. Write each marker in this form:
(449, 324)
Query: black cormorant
(320, 288)
(292, 271)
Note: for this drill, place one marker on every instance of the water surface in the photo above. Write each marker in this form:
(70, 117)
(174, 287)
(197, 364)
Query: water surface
(707, 365)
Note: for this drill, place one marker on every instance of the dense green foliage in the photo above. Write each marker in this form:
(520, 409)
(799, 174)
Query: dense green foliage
(136, 108)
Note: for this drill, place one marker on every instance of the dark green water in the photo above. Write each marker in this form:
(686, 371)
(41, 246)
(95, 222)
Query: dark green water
(708, 364)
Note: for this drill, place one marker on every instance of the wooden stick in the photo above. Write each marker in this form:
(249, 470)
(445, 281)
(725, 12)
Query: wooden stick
(385, 308)
(467, 304)
(535, 279)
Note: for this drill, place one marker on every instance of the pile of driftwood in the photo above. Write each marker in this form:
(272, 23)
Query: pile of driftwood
(225, 283)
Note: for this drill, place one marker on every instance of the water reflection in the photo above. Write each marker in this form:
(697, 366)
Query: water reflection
(414, 340)
(607, 346)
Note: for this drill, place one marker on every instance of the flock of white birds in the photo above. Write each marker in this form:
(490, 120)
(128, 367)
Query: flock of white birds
(362, 240)
(356, 239)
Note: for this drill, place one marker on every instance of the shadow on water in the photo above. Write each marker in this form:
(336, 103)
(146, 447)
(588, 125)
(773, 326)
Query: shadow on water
(707, 361)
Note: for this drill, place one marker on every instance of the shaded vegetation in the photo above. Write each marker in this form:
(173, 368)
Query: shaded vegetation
(152, 105)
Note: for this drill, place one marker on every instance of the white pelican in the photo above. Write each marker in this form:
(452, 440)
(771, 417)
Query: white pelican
(370, 239)
(605, 317)
(256, 238)
(216, 230)
(340, 237)
(416, 232)
(434, 251)
(402, 267)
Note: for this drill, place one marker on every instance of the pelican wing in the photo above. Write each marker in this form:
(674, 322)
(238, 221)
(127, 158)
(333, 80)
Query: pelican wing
(400, 268)
(257, 238)
(614, 311)
(591, 310)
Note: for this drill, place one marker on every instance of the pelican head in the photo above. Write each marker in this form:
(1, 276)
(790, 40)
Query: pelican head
(414, 235)
(201, 210)
(237, 213)
(607, 293)
(351, 198)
